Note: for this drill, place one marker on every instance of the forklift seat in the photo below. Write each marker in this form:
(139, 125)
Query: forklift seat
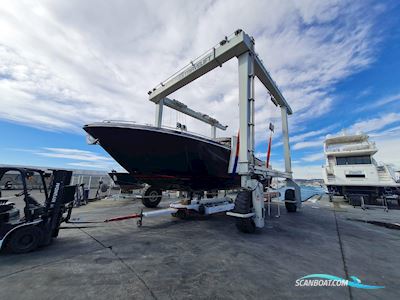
(6, 206)
(31, 201)
(8, 211)
(34, 207)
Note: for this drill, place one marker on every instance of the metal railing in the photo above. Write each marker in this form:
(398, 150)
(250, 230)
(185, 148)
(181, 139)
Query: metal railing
(163, 126)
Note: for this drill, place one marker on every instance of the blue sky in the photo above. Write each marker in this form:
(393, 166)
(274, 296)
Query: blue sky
(67, 63)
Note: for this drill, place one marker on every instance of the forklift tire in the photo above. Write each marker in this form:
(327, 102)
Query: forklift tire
(152, 197)
(246, 225)
(289, 195)
(25, 239)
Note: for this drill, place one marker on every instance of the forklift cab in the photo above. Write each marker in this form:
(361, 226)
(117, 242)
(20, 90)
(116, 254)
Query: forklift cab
(32, 211)
(20, 191)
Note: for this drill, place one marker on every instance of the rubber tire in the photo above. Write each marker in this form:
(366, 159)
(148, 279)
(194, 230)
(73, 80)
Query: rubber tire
(244, 205)
(245, 225)
(180, 214)
(155, 200)
(290, 195)
(32, 232)
(202, 209)
(104, 188)
(212, 194)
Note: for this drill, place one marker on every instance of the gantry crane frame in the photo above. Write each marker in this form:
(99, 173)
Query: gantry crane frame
(239, 45)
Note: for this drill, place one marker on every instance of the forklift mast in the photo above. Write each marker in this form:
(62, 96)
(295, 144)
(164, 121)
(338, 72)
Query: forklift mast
(60, 194)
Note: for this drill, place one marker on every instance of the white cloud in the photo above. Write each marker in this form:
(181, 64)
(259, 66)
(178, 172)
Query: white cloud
(374, 124)
(66, 63)
(88, 165)
(308, 144)
(74, 158)
(261, 155)
(388, 150)
(313, 133)
(365, 92)
(314, 157)
(381, 102)
(307, 172)
(371, 126)
(300, 169)
(74, 154)
(390, 132)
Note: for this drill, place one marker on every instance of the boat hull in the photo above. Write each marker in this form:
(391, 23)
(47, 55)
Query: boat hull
(126, 181)
(166, 159)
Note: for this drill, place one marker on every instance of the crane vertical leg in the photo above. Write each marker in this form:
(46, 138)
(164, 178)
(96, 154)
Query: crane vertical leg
(285, 137)
(245, 127)
(258, 204)
(213, 132)
(159, 113)
(288, 165)
(247, 144)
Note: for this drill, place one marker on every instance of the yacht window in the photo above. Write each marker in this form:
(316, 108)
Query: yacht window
(353, 160)
(355, 175)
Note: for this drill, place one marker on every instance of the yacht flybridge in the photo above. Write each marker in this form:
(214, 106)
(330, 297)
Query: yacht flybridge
(351, 168)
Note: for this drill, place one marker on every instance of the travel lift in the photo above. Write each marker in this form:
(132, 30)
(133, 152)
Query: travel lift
(41, 222)
(248, 208)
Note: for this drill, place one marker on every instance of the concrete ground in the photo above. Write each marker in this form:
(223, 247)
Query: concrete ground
(207, 258)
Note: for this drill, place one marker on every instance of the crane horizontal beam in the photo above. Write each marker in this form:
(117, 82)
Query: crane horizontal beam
(263, 75)
(181, 107)
(228, 48)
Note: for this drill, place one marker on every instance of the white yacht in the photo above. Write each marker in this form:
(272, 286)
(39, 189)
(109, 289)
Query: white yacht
(350, 167)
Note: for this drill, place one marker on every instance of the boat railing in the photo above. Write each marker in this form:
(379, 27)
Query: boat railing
(391, 171)
(380, 168)
(329, 170)
(185, 130)
(120, 121)
(351, 148)
(163, 126)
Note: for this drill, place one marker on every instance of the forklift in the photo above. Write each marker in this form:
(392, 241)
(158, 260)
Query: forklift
(40, 222)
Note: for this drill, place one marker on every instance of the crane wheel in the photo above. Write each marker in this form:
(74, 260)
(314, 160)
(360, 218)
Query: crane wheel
(290, 195)
(245, 225)
(212, 193)
(244, 205)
